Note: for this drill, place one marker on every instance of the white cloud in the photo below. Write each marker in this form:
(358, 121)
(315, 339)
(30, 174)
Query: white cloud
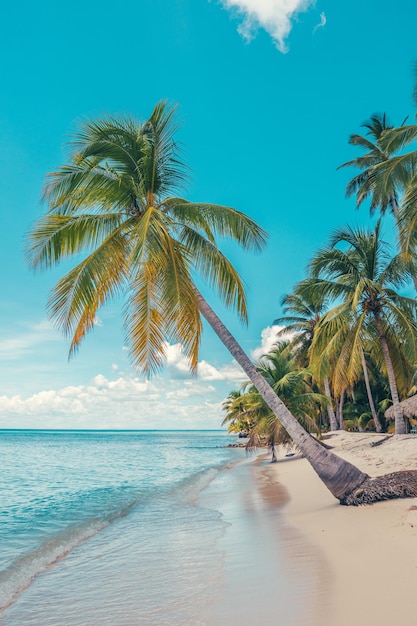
(323, 22)
(231, 373)
(177, 363)
(121, 403)
(274, 16)
(269, 337)
(174, 400)
(178, 367)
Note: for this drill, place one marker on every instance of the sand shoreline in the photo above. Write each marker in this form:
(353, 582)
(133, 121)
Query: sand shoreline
(366, 557)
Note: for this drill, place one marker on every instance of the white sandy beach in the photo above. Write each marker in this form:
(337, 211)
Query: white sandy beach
(366, 557)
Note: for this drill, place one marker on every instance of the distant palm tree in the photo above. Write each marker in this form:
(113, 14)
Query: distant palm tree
(301, 316)
(363, 280)
(291, 384)
(401, 166)
(367, 185)
(240, 414)
(389, 178)
(401, 170)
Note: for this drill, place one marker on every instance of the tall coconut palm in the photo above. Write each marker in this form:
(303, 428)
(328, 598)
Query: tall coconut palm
(401, 170)
(364, 279)
(301, 316)
(365, 184)
(401, 166)
(113, 202)
(345, 349)
(329, 358)
(389, 178)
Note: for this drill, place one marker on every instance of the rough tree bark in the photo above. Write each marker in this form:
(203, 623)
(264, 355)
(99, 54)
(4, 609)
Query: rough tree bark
(334, 424)
(375, 417)
(399, 420)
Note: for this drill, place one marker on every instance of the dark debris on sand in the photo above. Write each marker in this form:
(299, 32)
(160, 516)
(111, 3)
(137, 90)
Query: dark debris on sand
(387, 487)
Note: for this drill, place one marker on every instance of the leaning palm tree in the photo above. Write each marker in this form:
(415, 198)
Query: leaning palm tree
(113, 202)
(364, 281)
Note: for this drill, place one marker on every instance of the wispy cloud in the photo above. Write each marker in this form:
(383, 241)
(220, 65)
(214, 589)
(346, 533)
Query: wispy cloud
(22, 343)
(274, 16)
(323, 22)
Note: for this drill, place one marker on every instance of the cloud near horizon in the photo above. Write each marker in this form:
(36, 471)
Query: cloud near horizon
(122, 403)
(274, 16)
(173, 400)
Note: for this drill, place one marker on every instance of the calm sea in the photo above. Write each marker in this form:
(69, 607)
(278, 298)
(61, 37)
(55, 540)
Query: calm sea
(110, 528)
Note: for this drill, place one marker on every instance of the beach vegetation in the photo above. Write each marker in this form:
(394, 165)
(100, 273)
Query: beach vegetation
(302, 312)
(247, 410)
(364, 280)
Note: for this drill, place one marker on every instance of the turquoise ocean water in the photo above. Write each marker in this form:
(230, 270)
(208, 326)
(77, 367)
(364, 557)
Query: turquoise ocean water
(127, 529)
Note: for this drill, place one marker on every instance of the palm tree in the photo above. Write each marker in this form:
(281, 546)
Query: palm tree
(401, 170)
(308, 308)
(365, 185)
(113, 202)
(364, 280)
(240, 413)
(388, 178)
(291, 384)
(345, 350)
(301, 316)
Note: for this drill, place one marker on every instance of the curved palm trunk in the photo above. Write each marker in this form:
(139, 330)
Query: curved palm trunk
(375, 417)
(339, 476)
(334, 424)
(399, 420)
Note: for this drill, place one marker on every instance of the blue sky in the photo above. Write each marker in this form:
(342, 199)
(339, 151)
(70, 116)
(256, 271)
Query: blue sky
(268, 93)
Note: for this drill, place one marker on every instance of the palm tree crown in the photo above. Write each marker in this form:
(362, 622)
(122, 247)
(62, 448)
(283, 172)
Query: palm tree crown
(114, 201)
(367, 184)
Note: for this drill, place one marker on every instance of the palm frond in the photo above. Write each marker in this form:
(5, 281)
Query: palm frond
(75, 299)
(211, 263)
(55, 237)
(218, 221)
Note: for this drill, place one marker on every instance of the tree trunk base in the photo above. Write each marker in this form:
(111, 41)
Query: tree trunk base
(387, 487)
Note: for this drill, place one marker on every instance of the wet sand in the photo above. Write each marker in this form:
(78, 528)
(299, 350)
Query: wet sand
(269, 570)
